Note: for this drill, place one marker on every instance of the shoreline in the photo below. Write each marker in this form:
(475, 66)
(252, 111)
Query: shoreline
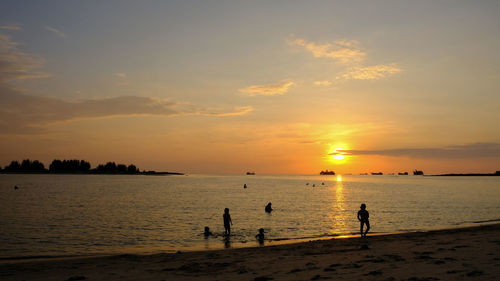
(457, 253)
(244, 245)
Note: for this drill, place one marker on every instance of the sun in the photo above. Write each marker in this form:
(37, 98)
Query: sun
(338, 157)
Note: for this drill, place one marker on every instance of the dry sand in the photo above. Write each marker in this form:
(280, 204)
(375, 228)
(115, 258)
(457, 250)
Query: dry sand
(455, 254)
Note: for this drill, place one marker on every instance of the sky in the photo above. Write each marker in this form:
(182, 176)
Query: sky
(274, 87)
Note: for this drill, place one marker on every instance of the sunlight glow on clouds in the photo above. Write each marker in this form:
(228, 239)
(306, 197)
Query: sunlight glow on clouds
(347, 52)
(11, 27)
(279, 88)
(16, 65)
(342, 50)
(20, 113)
(325, 83)
(370, 72)
(455, 151)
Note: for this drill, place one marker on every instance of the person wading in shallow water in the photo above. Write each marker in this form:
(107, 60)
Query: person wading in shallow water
(363, 216)
(227, 222)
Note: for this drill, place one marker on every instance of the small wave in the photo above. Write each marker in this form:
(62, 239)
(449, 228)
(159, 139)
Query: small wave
(492, 220)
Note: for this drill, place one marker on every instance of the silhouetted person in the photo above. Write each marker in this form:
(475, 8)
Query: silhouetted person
(16, 187)
(227, 222)
(314, 185)
(269, 207)
(245, 185)
(207, 232)
(363, 216)
(322, 183)
(260, 236)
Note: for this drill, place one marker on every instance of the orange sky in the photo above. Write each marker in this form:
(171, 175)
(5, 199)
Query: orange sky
(265, 87)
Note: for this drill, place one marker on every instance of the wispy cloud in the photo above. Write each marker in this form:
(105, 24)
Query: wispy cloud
(350, 54)
(12, 27)
(324, 83)
(456, 151)
(341, 50)
(55, 31)
(370, 72)
(21, 113)
(15, 64)
(238, 111)
(279, 88)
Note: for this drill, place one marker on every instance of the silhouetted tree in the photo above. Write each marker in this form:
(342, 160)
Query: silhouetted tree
(14, 166)
(121, 169)
(132, 169)
(84, 166)
(25, 166)
(69, 166)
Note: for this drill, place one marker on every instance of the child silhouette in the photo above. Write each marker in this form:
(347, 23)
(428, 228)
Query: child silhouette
(260, 236)
(227, 222)
(363, 216)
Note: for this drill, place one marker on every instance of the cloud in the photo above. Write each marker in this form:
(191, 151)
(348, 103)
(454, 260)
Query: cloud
(238, 111)
(21, 113)
(279, 88)
(457, 151)
(16, 65)
(348, 53)
(13, 27)
(374, 72)
(341, 50)
(56, 31)
(325, 83)
(121, 75)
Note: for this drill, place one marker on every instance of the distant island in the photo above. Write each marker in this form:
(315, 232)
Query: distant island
(326, 172)
(250, 173)
(75, 166)
(497, 173)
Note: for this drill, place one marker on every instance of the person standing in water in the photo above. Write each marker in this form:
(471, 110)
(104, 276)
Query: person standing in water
(227, 222)
(269, 207)
(363, 217)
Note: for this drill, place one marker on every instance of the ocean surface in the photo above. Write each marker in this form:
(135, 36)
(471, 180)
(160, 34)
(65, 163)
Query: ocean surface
(66, 215)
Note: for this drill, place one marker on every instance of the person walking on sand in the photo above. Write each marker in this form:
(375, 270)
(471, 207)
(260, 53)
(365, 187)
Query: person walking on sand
(363, 216)
(227, 222)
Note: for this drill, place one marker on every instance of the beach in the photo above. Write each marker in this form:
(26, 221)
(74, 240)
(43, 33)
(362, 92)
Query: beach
(471, 253)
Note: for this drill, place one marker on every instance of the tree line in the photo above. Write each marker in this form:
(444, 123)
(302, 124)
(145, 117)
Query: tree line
(73, 166)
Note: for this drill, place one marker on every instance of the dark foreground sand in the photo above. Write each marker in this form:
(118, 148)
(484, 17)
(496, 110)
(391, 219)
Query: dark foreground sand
(457, 254)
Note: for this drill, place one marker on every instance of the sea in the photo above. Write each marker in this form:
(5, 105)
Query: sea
(74, 215)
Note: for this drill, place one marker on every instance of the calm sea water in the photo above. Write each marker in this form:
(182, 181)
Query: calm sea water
(52, 215)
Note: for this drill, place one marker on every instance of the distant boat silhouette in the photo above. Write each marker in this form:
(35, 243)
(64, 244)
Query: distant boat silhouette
(377, 174)
(250, 173)
(403, 174)
(418, 173)
(326, 172)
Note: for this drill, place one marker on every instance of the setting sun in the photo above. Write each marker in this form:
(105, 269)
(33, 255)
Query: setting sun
(338, 154)
(338, 157)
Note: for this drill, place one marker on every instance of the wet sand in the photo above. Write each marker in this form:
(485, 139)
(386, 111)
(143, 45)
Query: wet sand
(454, 254)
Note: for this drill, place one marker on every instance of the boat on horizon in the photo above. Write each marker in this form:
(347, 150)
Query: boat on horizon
(326, 172)
(418, 173)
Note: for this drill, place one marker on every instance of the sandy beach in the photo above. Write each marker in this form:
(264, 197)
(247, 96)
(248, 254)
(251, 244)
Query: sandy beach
(455, 254)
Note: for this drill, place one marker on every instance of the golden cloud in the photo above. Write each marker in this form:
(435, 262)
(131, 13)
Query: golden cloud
(370, 72)
(341, 50)
(269, 89)
(325, 83)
